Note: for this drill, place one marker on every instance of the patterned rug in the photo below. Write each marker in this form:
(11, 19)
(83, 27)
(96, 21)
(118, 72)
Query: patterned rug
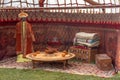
(73, 67)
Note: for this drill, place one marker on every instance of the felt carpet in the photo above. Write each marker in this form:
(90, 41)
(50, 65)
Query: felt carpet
(73, 67)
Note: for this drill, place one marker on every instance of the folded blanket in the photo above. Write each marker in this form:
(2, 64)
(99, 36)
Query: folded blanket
(87, 35)
(86, 40)
(89, 44)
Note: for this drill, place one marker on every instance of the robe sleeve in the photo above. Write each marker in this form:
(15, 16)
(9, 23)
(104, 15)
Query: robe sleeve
(31, 32)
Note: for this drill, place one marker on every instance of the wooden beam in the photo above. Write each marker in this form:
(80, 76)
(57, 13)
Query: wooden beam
(80, 7)
(92, 2)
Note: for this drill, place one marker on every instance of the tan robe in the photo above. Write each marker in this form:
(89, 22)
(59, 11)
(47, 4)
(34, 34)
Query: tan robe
(24, 38)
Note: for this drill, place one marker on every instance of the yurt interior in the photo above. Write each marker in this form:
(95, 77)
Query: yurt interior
(60, 39)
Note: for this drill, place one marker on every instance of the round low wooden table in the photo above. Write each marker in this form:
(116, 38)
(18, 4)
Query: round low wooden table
(55, 57)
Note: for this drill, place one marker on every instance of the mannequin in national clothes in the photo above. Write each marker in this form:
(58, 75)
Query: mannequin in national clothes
(24, 38)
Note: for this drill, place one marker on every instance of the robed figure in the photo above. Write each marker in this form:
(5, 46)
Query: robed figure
(24, 38)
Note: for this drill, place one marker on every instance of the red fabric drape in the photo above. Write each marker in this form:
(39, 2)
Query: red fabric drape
(41, 3)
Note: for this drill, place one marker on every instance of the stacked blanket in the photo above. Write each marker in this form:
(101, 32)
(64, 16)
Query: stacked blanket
(87, 39)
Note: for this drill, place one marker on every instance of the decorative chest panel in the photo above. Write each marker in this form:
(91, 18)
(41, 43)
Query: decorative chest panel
(84, 54)
(103, 62)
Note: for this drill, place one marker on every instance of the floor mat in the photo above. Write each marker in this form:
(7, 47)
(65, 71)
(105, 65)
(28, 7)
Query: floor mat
(73, 67)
